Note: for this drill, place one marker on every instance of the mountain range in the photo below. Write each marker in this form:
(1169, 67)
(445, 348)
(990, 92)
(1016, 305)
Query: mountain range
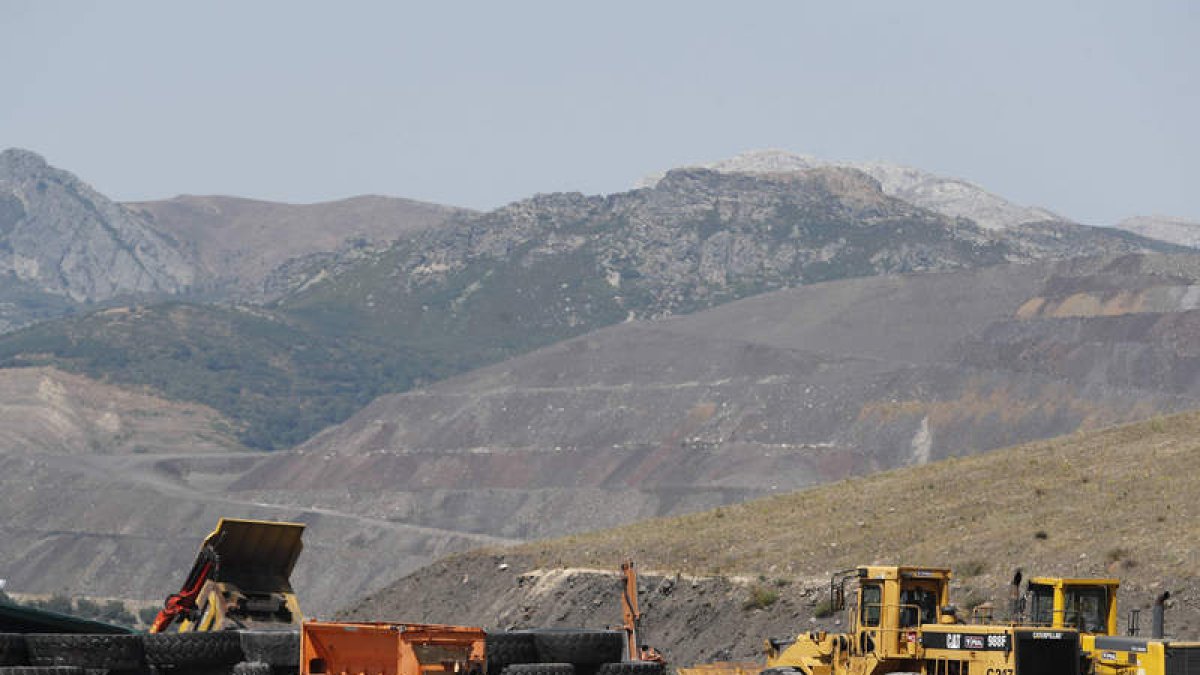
(454, 290)
(433, 378)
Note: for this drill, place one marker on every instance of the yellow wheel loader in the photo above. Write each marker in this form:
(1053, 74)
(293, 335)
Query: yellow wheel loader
(241, 580)
(1091, 606)
(900, 620)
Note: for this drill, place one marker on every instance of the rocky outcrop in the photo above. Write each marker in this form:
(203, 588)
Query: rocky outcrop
(64, 247)
(64, 238)
(694, 240)
(951, 197)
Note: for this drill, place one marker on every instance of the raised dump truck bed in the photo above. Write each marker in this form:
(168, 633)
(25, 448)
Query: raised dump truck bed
(241, 579)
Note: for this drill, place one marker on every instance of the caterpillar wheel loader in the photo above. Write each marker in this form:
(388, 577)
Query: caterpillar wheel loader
(1091, 606)
(241, 579)
(900, 621)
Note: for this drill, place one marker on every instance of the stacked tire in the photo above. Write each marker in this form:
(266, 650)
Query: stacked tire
(62, 653)
(269, 652)
(200, 653)
(562, 652)
(12, 650)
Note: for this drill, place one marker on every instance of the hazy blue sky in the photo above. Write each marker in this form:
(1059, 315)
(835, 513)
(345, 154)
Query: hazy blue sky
(1087, 108)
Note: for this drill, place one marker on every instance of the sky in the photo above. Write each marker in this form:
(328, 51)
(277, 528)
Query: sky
(1087, 108)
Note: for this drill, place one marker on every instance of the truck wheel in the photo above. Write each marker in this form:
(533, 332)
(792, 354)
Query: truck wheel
(539, 669)
(580, 647)
(632, 668)
(12, 650)
(217, 648)
(109, 652)
(504, 649)
(279, 648)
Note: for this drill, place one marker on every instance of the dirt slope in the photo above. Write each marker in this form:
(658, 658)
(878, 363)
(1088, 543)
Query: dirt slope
(47, 410)
(1114, 502)
(646, 419)
(763, 395)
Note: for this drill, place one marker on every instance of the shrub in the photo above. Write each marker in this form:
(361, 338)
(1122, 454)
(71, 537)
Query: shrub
(760, 598)
(971, 568)
(823, 609)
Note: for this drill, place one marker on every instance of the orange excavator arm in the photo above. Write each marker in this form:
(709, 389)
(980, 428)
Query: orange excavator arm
(632, 616)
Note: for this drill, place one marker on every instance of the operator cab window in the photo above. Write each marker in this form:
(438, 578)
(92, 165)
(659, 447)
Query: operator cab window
(1041, 605)
(917, 606)
(872, 604)
(1086, 609)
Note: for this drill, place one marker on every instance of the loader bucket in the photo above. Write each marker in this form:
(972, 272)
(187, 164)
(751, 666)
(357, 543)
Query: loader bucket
(255, 555)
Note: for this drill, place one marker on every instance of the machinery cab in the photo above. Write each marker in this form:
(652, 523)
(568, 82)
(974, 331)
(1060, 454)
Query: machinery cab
(900, 621)
(1089, 605)
(890, 605)
(886, 609)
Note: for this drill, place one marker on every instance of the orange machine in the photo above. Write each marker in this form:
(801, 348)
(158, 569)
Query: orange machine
(633, 617)
(331, 648)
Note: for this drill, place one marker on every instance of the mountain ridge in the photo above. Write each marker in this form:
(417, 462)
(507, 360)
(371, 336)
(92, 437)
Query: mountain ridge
(952, 197)
(69, 246)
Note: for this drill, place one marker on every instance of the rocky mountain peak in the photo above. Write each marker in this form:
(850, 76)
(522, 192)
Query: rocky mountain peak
(16, 161)
(60, 236)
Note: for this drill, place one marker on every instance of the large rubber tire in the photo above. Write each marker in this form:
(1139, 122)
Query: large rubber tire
(539, 669)
(505, 649)
(110, 652)
(632, 668)
(217, 648)
(42, 670)
(580, 647)
(12, 650)
(279, 648)
(252, 668)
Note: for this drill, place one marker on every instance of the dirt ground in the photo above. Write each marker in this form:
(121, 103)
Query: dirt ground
(690, 620)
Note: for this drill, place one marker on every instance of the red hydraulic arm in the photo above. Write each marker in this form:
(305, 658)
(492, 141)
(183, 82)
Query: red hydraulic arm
(183, 603)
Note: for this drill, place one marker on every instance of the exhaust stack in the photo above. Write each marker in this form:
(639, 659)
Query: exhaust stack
(1156, 625)
(1014, 597)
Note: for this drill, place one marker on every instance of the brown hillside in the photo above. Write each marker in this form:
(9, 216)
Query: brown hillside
(47, 410)
(1118, 502)
(765, 395)
(241, 241)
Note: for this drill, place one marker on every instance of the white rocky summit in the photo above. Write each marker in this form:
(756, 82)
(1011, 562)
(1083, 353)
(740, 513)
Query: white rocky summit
(949, 196)
(1165, 228)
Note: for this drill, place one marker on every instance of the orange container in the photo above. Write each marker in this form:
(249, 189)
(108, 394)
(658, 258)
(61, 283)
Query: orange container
(376, 648)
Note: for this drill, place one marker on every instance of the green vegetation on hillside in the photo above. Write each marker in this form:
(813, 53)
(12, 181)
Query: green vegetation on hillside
(1118, 501)
(279, 382)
